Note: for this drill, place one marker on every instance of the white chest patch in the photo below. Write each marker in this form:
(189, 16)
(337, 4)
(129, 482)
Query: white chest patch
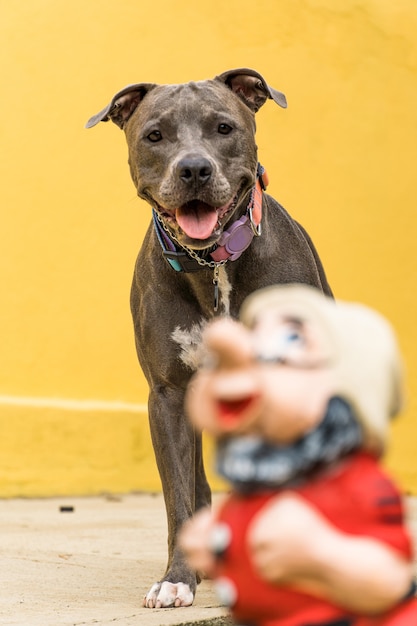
(189, 340)
(225, 289)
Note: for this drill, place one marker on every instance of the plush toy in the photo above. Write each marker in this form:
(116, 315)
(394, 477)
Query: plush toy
(298, 396)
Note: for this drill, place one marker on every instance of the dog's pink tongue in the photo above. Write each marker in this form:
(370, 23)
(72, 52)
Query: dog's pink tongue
(197, 222)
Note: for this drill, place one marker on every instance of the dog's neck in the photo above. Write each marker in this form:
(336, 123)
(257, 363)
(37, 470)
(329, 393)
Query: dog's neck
(232, 243)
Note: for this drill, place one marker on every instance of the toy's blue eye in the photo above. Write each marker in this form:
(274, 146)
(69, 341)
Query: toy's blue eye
(294, 337)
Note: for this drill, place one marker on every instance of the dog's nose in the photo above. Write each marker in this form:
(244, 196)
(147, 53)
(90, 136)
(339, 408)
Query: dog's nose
(194, 170)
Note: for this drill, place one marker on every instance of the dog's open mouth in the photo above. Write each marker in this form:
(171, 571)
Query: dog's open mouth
(199, 220)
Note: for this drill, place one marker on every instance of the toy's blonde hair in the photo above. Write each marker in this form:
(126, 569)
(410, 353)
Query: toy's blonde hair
(364, 355)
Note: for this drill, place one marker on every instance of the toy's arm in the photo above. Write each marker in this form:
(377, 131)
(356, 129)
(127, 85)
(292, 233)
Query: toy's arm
(292, 543)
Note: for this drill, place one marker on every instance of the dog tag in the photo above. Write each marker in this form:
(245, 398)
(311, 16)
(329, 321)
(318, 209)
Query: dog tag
(216, 288)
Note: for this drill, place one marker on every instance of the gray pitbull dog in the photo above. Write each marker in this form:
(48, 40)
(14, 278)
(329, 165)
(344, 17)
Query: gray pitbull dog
(215, 238)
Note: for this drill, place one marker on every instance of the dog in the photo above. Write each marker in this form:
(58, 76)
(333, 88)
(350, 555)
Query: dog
(215, 237)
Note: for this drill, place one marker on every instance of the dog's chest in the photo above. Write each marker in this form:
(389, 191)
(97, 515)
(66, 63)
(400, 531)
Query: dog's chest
(189, 339)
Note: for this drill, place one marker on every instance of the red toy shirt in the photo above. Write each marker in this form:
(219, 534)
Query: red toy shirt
(357, 498)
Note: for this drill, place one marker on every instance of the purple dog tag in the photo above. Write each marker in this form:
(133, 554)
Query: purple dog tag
(240, 239)
(234, 241)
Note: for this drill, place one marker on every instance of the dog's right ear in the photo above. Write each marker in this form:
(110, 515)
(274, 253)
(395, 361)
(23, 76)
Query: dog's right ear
(122, 105)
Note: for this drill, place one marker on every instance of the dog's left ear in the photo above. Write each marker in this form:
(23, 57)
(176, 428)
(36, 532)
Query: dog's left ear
(252, 88)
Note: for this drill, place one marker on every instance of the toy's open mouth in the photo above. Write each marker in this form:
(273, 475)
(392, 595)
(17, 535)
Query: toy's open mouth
(232, 412)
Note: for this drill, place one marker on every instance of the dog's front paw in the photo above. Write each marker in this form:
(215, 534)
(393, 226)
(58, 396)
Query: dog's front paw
(166, 594)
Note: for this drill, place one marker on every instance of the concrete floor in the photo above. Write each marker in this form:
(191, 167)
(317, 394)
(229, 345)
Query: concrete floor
(92, 565)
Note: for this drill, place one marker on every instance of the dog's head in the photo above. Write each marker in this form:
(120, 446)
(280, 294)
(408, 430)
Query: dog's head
(192, 150)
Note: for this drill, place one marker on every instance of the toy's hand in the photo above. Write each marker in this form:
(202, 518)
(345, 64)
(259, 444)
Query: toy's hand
(292, 543)
(283, 539)
(194, 541)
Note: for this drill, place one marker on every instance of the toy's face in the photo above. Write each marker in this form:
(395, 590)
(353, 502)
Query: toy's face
(272, 379)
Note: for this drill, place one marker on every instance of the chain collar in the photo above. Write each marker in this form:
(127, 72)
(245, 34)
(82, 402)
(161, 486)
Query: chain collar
(191, 253)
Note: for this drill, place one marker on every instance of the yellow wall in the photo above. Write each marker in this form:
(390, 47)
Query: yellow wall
(341, 159)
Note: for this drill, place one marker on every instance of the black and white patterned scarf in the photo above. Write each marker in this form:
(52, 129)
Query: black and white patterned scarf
(250, 464)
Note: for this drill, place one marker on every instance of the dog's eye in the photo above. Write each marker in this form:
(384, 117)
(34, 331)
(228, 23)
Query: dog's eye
(224, 129)
(154, 136)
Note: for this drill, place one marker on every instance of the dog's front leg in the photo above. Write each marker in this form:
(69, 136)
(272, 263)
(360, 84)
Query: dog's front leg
(178, 452)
